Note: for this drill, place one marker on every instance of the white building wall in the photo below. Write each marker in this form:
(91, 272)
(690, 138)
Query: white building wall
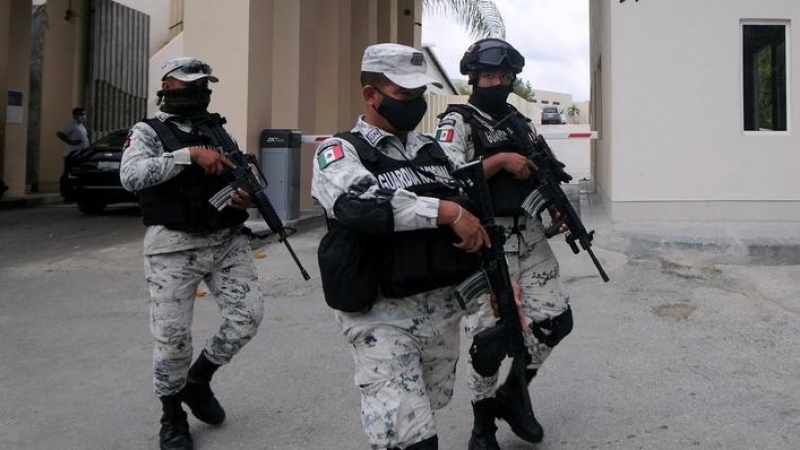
(672, 94)
(437, 104)
(559, 99)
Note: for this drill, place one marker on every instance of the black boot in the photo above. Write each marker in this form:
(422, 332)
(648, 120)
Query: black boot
(197, 392)
(432, 443)
(483, 429)
(174, 434)
(511, 409)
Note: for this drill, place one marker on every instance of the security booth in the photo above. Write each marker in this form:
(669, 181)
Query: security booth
(280, 163)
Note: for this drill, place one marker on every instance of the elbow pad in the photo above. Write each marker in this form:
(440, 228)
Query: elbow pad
(369, 216)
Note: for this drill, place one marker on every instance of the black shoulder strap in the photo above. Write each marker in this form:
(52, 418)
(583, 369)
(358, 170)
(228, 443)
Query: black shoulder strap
(433, 148)
(165, 133)
(210, 126)
(465, 111)
(365, 151)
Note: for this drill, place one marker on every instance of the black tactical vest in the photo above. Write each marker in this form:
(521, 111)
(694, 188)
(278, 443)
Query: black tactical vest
(507, 192)
(181, 203)
(412, 262)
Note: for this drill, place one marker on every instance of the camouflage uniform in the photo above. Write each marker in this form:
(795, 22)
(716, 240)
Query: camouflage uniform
(175, 262)
(530, 261)
(405, 350)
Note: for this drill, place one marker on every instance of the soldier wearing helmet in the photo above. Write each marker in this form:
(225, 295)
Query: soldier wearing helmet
(476, 131)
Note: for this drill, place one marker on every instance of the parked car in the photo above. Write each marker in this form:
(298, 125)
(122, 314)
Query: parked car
(551, 114)
(91, 175)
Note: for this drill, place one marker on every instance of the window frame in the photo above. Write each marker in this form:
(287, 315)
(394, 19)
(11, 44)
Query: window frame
(786, 24)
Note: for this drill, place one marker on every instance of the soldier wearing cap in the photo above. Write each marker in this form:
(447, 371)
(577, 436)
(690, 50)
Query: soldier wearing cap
(383, 181)
(175, 172)
(472, 131)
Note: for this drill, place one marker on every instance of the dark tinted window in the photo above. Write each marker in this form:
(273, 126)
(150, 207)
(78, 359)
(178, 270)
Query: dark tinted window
(113, 139)
(764, 65)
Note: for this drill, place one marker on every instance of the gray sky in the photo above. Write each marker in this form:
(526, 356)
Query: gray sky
(552, 35)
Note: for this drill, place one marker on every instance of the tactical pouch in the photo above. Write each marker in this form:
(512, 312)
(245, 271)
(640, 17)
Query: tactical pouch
(422, 260)
(347, 269)
(489, 348)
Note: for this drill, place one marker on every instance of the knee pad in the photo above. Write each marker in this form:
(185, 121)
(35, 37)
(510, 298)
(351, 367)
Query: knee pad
(558, 327)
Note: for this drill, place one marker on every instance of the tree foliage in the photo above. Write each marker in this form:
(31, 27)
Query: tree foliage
(481, 18)
(573, 112)
(462, 87)
(524, 89)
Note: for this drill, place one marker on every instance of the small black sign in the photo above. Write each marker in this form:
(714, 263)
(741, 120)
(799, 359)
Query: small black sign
(14, 98)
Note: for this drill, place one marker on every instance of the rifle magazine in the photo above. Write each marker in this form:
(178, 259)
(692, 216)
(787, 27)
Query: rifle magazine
(220, 199)
(534, 203)
(472, 288)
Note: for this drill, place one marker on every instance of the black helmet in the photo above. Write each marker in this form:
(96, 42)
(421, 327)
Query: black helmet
(490, 54)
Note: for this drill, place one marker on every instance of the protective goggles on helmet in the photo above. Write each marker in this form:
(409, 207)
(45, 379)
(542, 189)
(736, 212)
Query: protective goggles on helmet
(491, 53)
(496, 55)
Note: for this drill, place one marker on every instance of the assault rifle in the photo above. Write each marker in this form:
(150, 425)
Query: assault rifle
(247, 175)
(549, 174)
(493, 344)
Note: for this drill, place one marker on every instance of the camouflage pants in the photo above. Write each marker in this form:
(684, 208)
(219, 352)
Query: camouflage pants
(229, 272)
(530, 261)
(405, 352)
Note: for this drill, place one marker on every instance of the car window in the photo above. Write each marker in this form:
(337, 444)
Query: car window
(113, 139)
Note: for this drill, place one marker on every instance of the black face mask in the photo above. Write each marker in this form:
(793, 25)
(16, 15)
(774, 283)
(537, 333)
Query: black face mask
(184, 101)
(402, 116)
(491, 99)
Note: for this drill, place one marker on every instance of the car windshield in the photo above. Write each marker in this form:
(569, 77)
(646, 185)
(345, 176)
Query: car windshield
(113, 139)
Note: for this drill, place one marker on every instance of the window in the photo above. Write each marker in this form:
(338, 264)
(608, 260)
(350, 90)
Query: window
(556, 103)
(764, 77)
(545, 102)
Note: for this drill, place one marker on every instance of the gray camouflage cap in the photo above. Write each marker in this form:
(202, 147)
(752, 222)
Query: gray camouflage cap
(187, 69)
(403, 65)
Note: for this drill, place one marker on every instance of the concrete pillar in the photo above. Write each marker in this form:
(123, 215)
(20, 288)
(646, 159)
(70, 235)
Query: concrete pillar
(364, 32)
(286, 78)
(261, 71)
(17, 81)
(386, 21)
(63, 81)
(5, 24)
(333, 65)
(223, 41)
(408, 22)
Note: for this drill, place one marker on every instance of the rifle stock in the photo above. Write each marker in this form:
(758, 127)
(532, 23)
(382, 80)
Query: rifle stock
(247, 175)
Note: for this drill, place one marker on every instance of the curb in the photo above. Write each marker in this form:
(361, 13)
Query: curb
(307, 220)
(30, 201)
(759, 251)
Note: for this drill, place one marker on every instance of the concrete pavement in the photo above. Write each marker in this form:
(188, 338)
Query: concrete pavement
(681, 349)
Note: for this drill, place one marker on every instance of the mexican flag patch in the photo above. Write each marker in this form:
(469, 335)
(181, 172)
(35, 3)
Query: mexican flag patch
(445, 135)
(329, 155)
